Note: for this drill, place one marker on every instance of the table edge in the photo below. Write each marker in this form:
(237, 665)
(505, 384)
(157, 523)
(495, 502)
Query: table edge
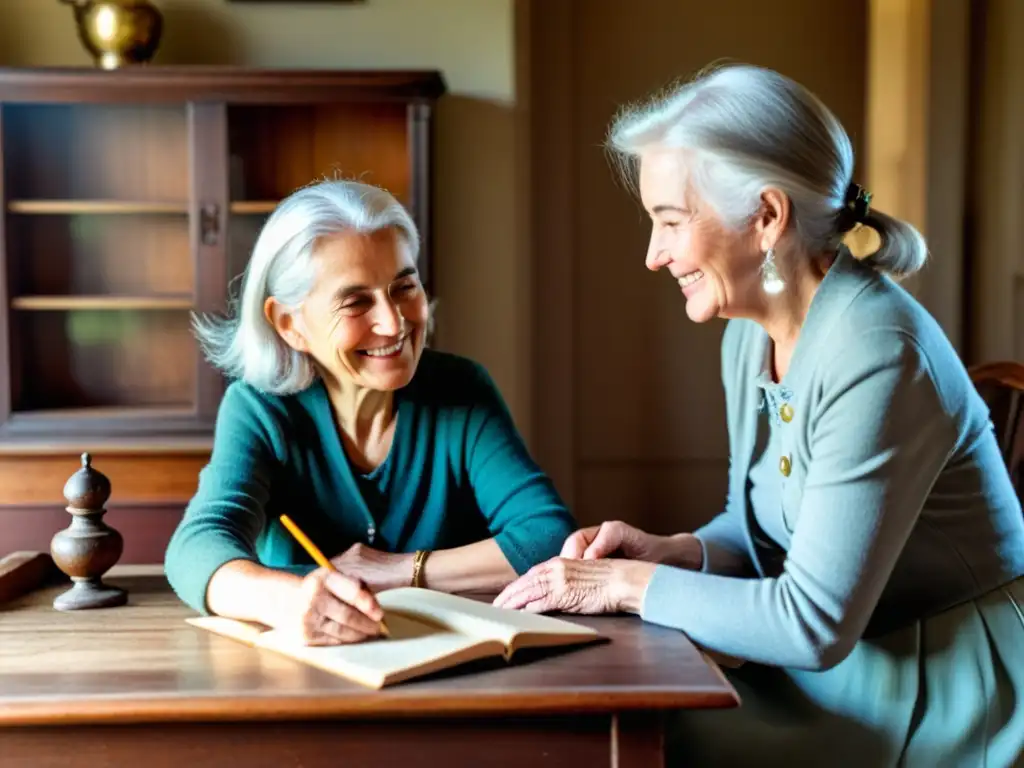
(141, 710)
(118, 709)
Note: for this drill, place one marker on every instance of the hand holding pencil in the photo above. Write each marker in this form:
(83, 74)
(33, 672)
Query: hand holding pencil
(335, 608)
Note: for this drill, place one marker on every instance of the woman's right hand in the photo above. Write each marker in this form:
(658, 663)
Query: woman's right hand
(624, 540)
(333, 609)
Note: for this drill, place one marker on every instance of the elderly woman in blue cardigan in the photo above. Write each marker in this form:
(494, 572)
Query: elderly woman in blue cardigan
(865, 574)
(401, 463)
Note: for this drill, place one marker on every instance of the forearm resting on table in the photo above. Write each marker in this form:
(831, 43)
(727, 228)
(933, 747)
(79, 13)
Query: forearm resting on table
(241, 589)
(478, 567)
(685, 551)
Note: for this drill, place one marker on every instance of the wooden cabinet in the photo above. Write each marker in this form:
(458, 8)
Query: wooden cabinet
(131, 198)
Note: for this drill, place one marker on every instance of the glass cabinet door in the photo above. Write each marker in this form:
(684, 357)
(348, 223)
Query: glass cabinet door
(276, 149)
(100, 265)
(132, 203)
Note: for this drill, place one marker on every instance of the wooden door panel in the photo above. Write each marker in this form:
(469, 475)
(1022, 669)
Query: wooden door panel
(662, 498)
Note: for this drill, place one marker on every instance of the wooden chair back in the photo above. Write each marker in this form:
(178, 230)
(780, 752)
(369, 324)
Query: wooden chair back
(1001, 385)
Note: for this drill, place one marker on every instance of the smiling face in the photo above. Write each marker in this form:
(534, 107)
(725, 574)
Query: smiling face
(365, 320)
(717, 267)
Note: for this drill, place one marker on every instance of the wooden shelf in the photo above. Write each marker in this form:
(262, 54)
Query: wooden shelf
(254, 206)
(63, 303)
(124, 446)
(95, 206)
(137, 412)
(129, 429)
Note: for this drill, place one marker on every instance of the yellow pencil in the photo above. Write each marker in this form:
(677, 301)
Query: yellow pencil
(317, 555)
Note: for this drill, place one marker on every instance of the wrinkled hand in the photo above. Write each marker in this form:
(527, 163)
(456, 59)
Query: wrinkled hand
(617, 538)
(333, 609)
(579, 586)
(378, 570)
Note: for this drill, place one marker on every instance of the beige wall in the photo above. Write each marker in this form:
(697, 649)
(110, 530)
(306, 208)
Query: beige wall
(469, 41)
(945, 112)
(995, 193)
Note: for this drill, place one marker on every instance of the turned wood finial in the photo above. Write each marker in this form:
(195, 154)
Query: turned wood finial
(88, 547)
(87, 488)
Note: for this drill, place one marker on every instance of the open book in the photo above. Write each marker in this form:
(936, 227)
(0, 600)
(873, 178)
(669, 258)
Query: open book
(429, 631)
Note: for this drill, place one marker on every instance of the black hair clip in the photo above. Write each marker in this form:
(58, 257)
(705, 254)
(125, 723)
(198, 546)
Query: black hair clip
(855, 208)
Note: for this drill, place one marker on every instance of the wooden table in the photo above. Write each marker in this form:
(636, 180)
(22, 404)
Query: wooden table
(137, 686)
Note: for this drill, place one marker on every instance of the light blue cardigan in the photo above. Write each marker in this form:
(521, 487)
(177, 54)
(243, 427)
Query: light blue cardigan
(897, 502)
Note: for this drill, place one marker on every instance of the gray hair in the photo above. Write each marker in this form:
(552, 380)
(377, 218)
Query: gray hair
(244, 345)
(748, 128)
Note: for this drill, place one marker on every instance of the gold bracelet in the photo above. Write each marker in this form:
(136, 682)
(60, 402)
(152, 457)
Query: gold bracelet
(417, 567)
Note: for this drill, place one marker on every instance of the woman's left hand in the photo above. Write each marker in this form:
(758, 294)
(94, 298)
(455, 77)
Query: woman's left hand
(378, 570)
(579, 586)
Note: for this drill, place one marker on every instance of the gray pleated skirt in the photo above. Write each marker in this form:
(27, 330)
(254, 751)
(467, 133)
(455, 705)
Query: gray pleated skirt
(946, 691)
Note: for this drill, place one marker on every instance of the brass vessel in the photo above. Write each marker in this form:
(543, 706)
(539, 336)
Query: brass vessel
(118, 32)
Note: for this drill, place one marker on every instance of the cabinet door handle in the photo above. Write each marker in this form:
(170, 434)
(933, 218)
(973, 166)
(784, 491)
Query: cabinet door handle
(209, 223)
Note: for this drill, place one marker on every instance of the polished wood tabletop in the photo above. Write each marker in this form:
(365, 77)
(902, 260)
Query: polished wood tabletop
(142, 663)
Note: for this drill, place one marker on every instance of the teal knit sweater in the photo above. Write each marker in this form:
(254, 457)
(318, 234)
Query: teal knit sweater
(458, 472)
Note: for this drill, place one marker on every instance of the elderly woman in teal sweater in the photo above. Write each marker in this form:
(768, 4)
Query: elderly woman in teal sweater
(402, 464)
(864, 578)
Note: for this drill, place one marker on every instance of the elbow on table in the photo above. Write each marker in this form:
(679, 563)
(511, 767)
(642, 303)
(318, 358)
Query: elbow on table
(175, 566)
(184, 572)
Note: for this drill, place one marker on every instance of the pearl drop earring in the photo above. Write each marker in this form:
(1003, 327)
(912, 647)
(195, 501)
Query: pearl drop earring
(771, 280)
